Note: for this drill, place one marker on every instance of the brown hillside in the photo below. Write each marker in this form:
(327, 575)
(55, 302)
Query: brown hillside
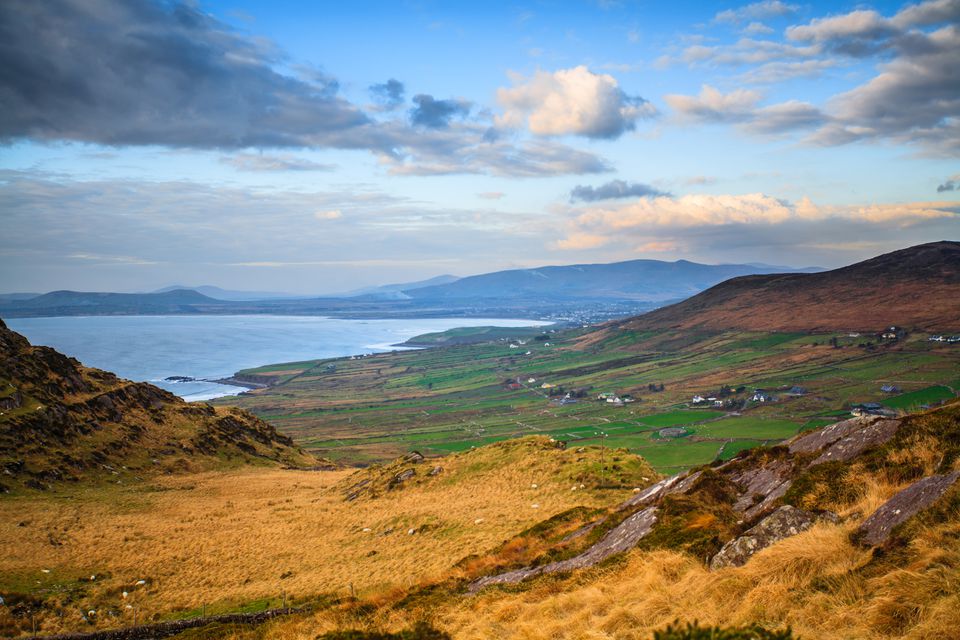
(61, 421)
(917, 288)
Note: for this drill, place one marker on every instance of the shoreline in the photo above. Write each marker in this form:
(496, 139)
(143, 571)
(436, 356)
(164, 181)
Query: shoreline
(238, 382)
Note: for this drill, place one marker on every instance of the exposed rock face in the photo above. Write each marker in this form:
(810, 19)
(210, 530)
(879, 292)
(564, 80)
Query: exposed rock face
(624, 536)
(783, 523)
(876, 529)
(822, 438)
(761, 487)
(852, 445)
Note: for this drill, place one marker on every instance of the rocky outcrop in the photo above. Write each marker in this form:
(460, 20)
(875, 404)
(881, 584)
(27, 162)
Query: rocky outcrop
(876, 529)
(783, 523)
(850, 446)
(624, 536)
(749, 489)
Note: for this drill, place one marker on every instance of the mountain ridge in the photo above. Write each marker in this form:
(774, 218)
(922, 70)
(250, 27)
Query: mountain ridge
(648, 280)
(916, 287)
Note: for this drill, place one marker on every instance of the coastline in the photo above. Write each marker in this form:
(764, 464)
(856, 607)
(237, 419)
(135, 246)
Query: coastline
(234, 381)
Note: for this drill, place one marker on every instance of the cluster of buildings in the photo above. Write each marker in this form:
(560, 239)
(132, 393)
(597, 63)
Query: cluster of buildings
(617, 400)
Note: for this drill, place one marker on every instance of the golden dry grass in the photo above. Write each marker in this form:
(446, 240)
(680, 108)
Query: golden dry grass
(818, 583)
(238, 536)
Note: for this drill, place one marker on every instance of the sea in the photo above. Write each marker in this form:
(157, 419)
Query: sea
(212, 347)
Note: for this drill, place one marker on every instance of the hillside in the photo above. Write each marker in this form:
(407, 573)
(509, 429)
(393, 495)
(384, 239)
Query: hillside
(649, 280)
(917, 288)
(239, 539)
(61, 421)
(58, 303)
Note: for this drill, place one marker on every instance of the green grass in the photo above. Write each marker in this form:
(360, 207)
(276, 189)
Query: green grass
(681, 417)
(450, 398)
(749, 427)
(673, 455)
(915, 399)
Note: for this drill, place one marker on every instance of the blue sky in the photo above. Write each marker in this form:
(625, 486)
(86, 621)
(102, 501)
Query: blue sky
(320, 147)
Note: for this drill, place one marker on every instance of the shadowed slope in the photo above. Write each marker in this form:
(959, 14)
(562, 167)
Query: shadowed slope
(62, 421)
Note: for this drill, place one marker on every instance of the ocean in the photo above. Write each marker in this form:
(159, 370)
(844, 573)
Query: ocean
(212, 347)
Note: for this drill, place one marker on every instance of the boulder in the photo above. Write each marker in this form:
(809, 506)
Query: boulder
(783, 523)
(402, 477)
(876, 529)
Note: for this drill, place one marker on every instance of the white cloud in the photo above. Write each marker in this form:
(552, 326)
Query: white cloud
(330, 214)
(570, 102)
(756, 11)
(757, 29)
(713, 106)
(740, 107)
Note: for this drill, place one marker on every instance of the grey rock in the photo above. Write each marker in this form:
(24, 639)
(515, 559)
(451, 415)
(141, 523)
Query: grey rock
(783, 523)
(679, 483)
(876, 529)
(822, 438)
(624, 536)
(855, 443)
(403, 476)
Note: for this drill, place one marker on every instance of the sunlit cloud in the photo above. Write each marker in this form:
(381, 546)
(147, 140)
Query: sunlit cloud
(572, 101)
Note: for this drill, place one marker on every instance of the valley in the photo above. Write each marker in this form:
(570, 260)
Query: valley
(453, 398)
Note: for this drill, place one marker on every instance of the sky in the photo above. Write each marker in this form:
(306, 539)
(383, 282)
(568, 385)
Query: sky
(319, 147)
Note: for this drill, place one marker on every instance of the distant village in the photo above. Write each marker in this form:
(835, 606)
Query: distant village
(726, 398)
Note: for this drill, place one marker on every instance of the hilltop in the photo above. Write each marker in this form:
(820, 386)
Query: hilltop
(917, 288)
(63, 422)
(647, 280)
(59, 303)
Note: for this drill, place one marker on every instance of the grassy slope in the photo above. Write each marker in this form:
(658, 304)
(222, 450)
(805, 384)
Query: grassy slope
(452, 398)
(819, 582)
(915, 287)
(238, 538)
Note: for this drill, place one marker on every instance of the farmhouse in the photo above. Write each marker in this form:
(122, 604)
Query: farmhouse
(890, 388)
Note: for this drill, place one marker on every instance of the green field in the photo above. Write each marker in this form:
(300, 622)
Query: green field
(451, 398)
(921, 397)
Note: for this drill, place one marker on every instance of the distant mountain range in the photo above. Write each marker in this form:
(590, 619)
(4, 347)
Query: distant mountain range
(227, 294)
(648, 280)
(396, 291)
(917, 288)
(615, 289)
(57, 303)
